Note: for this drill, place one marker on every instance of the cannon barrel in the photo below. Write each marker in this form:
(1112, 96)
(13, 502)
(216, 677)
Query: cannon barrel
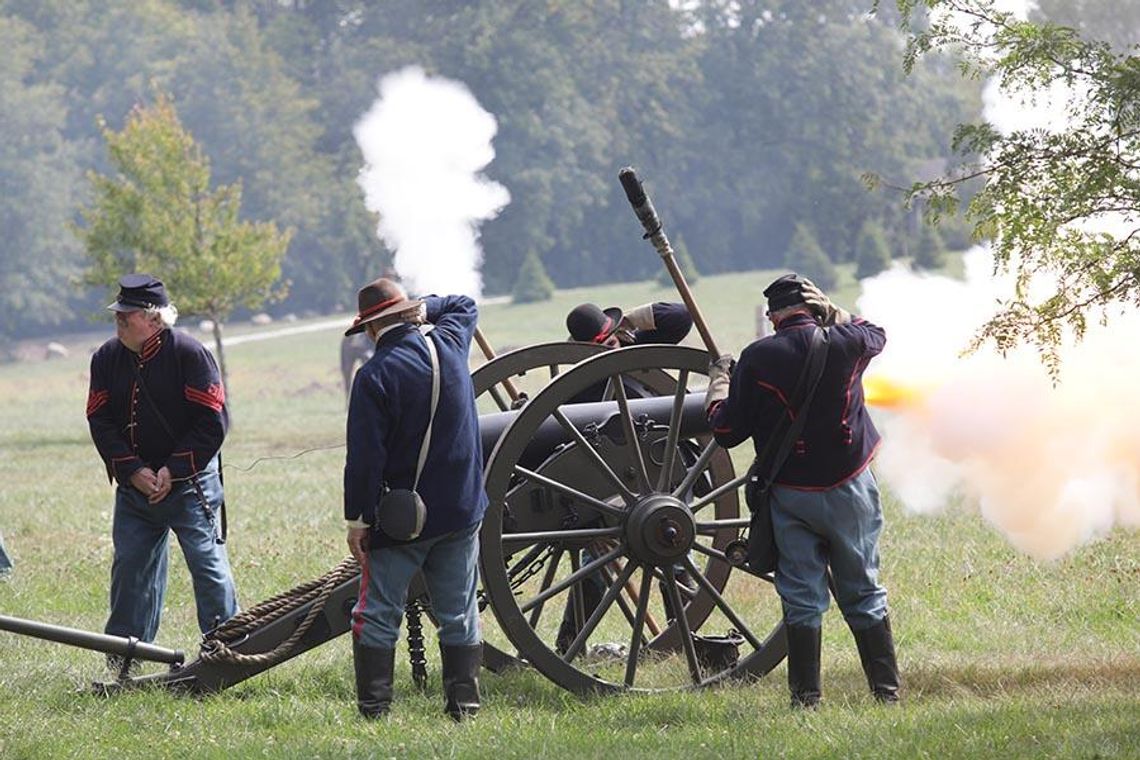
(100, 642)
(551, 434)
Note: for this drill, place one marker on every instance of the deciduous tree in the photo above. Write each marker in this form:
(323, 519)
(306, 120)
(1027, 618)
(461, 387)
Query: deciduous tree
(155, 212)
(1060, 205)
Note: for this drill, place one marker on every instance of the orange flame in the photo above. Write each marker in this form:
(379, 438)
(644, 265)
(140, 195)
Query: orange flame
(887, 393)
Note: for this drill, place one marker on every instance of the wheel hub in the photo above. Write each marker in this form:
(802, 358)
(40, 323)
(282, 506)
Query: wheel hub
(660, 529)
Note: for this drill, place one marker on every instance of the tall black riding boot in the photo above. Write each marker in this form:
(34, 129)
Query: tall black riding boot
(461, 679)
(877, 652)
(803, 665)
(374, 667)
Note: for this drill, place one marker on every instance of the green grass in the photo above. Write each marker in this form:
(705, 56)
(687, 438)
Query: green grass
(1002, 656)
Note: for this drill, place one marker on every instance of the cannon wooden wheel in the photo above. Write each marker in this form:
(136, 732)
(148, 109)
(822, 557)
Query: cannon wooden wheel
(625, 487)
(530, 369)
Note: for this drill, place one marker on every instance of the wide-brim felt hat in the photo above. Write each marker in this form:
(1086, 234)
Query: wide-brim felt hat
(377, 300)
(139, 291)
(589, 323)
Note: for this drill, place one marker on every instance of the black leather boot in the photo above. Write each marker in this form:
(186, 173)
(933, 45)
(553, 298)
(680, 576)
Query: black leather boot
(803, 665)
(461, 679)
(374, 667)
(877, 653)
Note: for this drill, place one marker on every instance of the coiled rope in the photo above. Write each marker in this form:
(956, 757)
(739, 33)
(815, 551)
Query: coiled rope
(216, 644)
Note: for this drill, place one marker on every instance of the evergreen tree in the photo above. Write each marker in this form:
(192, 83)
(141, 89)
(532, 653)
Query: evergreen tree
(533, 283)
(872, 254)
(930, 251)
(806, 257)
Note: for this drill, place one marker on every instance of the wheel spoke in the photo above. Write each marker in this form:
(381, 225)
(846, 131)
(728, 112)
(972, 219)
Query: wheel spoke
(591, 453)
(686, 634)
(573, 493)
(717, 554)
(696, 470)
(674, 432)
(571, 579)
(719, 491)
(729, 613)
(621, 599)
(596, 617)
(713, 526)
(547, 579)
(650, 621)
(638, 626)
(569, 534)
(631, 434)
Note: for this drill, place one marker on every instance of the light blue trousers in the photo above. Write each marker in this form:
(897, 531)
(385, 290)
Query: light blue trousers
(837, 528)
(450, 564)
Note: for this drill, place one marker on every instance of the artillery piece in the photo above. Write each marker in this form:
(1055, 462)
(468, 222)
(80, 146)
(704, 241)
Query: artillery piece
(630, 491)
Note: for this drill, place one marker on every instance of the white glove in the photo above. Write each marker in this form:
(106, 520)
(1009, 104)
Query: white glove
(828, 313)
(720, 377)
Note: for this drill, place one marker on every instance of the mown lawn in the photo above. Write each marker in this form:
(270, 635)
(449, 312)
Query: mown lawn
(1002, 656)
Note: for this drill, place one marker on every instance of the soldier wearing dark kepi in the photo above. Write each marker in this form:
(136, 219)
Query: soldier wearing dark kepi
(659, 322)
(157, 413)
(390, 415)
(824, 501)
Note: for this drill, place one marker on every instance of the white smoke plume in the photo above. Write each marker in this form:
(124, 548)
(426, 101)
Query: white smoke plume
(1050, 466)
(425, 142)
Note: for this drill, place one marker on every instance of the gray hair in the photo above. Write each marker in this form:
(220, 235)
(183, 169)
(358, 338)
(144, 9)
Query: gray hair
(167, 315)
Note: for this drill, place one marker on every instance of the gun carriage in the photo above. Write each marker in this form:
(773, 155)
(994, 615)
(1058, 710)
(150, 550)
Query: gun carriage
(629, 496)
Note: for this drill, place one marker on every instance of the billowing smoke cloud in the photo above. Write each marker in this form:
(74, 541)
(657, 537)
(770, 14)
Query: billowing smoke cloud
(425, 142)
(1051, 467)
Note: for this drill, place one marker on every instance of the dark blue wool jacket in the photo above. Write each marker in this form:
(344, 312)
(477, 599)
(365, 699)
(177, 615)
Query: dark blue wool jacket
(183, 381)
(671, 323)
(839, 438)
(388, 415)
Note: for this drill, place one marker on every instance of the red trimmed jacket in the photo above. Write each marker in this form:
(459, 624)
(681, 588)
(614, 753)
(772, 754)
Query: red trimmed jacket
(184, 383)
(838, 439)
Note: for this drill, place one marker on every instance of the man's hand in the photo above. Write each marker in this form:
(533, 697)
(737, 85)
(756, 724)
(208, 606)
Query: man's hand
(145, 482)
(720, 377)
(163, 484)
(358, 545)
(828, 313)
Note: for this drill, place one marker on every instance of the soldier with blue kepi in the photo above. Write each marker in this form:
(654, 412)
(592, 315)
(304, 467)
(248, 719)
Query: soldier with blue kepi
(156, 409)
(413, 488)
(824, 502)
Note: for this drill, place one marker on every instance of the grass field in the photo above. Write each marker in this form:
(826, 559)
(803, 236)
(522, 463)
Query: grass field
(1002, 656)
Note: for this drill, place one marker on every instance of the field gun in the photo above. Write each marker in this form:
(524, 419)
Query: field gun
(630, 493)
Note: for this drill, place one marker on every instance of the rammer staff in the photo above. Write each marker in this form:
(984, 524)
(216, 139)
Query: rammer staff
(654, 233)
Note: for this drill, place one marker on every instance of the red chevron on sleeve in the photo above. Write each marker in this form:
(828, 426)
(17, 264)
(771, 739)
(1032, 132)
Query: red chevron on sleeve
(96, 400)
(213, 397)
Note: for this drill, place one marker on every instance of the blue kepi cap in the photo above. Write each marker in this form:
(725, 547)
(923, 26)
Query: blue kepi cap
(140, 291)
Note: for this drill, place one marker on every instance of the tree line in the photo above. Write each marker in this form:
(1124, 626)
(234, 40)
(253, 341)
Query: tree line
(754, 124)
